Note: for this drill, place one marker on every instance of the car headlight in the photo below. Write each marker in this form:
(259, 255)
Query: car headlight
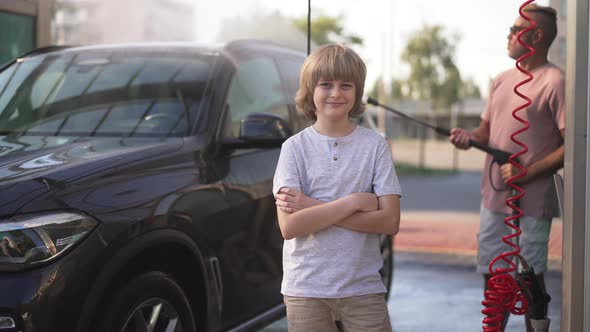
(27, 240)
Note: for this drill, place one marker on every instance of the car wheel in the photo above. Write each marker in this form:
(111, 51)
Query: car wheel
(151, 302)
(387, 254)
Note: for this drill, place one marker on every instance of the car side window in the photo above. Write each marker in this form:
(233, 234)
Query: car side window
(290, 69)
(255, 87)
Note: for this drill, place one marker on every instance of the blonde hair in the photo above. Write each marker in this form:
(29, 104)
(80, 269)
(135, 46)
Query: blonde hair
(331, 62)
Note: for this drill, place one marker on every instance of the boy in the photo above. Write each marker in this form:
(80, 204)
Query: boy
(336, 190)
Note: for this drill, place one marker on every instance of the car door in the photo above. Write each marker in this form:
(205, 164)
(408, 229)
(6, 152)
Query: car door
(251, 257)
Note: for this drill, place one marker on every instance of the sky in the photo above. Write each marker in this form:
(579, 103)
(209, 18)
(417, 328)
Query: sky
(385, 26)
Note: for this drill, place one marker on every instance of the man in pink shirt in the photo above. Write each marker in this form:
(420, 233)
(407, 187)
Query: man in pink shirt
(544, 140)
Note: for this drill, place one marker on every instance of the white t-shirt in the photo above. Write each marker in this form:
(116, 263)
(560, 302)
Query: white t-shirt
(335, 262)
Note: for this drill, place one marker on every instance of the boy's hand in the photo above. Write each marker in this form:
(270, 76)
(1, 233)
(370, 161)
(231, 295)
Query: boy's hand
(366, 202)
(291, 200)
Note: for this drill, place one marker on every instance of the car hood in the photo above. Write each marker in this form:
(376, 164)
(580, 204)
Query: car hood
(33, 165)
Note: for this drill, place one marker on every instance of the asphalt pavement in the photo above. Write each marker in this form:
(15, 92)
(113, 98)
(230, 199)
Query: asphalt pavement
(452, 193)
(433, 294)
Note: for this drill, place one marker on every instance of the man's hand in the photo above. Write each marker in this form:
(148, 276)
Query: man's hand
(508, 170)
(291, 200)
(460, 138)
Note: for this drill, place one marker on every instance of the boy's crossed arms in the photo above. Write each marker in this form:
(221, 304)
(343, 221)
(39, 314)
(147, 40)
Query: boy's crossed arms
(300, 215)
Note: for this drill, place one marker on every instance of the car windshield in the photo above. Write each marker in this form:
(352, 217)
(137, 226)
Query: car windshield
(103, 93)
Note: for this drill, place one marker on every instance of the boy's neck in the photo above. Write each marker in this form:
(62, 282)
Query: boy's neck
(334, 129)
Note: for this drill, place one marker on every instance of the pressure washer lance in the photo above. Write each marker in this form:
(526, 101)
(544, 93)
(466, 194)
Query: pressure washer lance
(538, 298)
(501, 157)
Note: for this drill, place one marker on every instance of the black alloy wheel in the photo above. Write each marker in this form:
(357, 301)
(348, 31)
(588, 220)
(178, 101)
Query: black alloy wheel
(151, 302)
(154, 314)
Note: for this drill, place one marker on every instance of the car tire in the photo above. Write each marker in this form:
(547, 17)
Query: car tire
(387, 268)
(150, 296)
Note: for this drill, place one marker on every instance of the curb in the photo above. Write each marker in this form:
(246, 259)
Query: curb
(453, 258)
(450, 237)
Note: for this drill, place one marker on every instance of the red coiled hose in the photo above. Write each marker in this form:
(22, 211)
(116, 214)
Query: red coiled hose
(504, 294)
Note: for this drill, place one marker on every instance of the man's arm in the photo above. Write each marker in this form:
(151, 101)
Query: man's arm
(460, 137)
(544, 167)
(385, 220)
(316, 218)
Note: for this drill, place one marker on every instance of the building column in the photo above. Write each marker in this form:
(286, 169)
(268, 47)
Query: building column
(44, 16)
(575, 315)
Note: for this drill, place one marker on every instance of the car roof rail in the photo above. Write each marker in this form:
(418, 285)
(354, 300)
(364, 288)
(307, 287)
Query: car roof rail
(45, 49)
(39, 50)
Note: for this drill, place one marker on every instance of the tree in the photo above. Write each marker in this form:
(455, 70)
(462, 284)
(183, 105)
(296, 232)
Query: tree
(469, 89)
(327, 29)
(287, 30)
(375, 90)
(263, 25)
(433, 77)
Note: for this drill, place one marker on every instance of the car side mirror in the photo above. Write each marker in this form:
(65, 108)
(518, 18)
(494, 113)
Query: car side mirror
(265, 127)
(261, 130)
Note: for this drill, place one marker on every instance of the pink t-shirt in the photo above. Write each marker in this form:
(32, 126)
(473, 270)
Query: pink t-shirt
(546, 118)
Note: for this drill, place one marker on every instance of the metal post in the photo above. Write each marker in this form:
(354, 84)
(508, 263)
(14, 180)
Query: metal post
(575, 309)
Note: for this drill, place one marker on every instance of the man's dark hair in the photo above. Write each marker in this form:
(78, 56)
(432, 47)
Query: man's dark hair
(547, 20)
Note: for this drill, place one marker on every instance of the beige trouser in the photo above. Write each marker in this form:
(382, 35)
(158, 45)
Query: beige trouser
(357, 313)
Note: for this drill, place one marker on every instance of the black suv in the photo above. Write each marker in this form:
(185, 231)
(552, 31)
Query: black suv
(135, 187)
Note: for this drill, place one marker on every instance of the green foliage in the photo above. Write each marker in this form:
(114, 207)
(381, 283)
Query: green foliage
(397, 92)
(433, 77)
(263, 25)
(374, 90)
(470, 89)
(327, 29)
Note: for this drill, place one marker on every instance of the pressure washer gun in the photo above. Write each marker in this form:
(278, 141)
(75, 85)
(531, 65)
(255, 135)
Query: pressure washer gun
(538, 299)
(501, 157)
